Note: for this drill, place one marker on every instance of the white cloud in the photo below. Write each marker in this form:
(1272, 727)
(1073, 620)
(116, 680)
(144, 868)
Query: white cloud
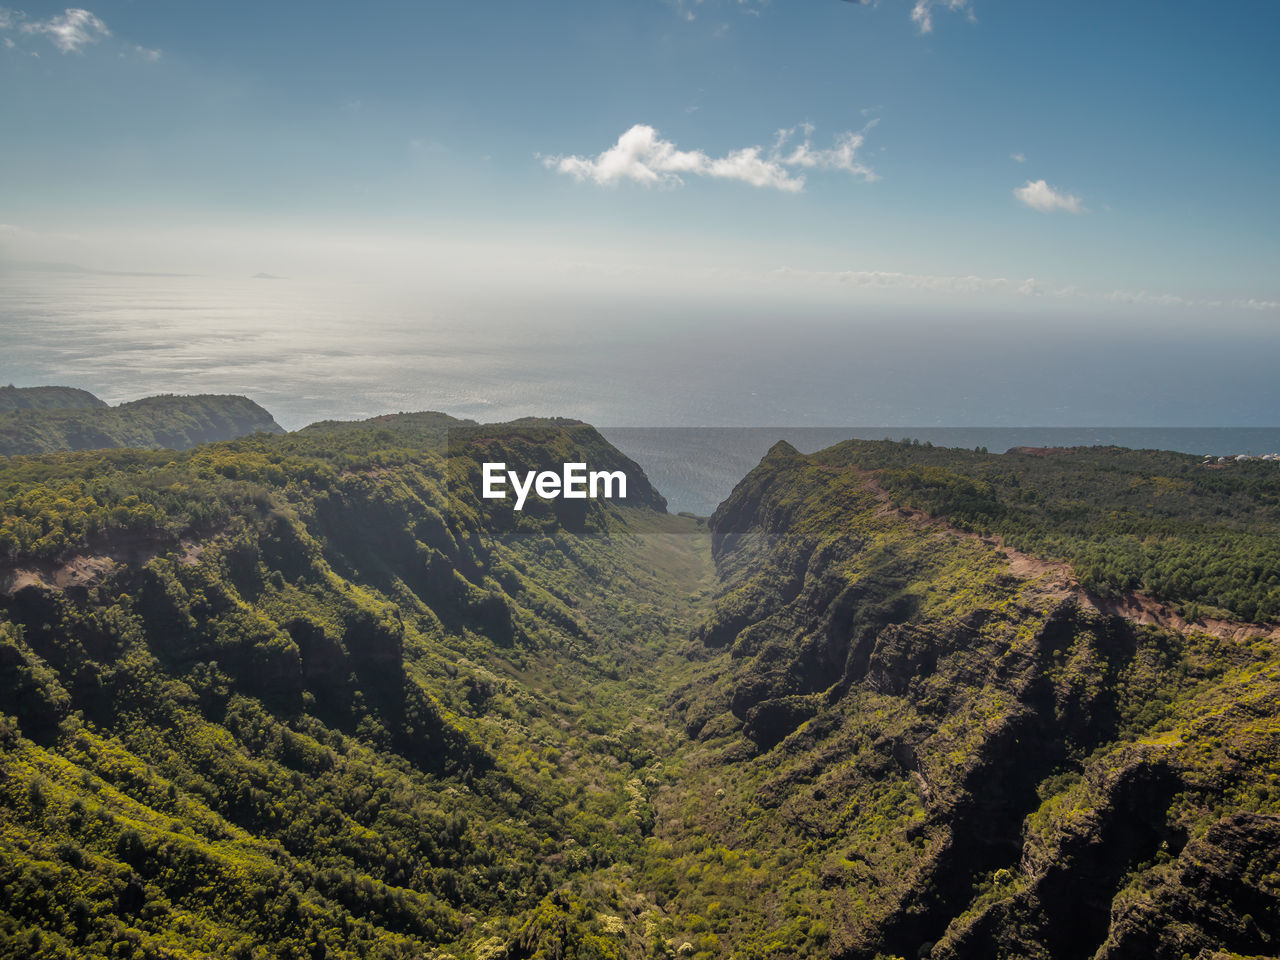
(639, 155)
(922, 12)
(642, 156)
(74, 29)
(685, 8)
(916, 281)
(1150, 299)
(843, 156)
(70, 32)
(1031, 287)
(1018, 157)
(961, 283)
(1038, 195)
(895, 280)
(748, 166)
(1253, 304)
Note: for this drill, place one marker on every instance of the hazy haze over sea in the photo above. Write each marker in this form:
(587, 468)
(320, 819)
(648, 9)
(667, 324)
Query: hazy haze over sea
(309, 351)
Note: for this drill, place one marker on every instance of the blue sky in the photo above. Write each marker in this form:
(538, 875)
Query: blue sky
(1093, 156)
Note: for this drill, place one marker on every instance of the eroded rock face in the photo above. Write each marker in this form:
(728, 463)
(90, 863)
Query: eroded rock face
(1049, 758)
(1064, 908)
(1221, 893)
(769, 721)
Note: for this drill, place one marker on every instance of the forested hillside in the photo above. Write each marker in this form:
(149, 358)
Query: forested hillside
(49, 419)
(933, 753)
(310, 696)
(292, 697)
(1203, 536)
(47, 398)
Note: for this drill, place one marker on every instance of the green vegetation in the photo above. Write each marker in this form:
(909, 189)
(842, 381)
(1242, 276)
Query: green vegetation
(309, 696)
(47, 398)
(1205, 537)
(904, 750)
(48, 419)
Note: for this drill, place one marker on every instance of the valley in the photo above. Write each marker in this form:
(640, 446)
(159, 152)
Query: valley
(312, 695)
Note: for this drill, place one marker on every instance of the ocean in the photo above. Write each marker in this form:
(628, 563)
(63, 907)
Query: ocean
(647, 371)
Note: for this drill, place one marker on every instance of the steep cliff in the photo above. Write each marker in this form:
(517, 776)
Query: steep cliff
(165, 421)
(976, 759)
(312, 695)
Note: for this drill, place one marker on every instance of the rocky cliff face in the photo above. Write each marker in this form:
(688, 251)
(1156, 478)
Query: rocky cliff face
(312, 695)
(308, 696)
(986, 766)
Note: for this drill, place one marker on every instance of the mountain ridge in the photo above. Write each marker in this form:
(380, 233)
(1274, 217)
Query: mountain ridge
(47, 398)
(890, 697)
(313, 696)
(38, 420)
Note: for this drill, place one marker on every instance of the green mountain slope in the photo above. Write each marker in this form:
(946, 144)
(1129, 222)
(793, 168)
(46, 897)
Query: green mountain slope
(1205, 537)
(293, 697)
(911, 749)
(153, 422)
(310, 696)
(47, 398)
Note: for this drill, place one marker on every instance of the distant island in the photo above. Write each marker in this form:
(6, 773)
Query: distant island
(36, 420)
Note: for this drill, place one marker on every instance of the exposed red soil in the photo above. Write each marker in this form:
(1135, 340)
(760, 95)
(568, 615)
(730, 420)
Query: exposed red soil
(1057, 579)
(89, 569)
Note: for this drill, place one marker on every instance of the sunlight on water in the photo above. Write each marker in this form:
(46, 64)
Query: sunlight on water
(309, 351)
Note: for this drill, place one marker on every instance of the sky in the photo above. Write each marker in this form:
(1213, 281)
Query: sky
(1092, 159)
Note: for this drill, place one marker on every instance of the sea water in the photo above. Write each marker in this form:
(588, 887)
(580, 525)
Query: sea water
(309, 350)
